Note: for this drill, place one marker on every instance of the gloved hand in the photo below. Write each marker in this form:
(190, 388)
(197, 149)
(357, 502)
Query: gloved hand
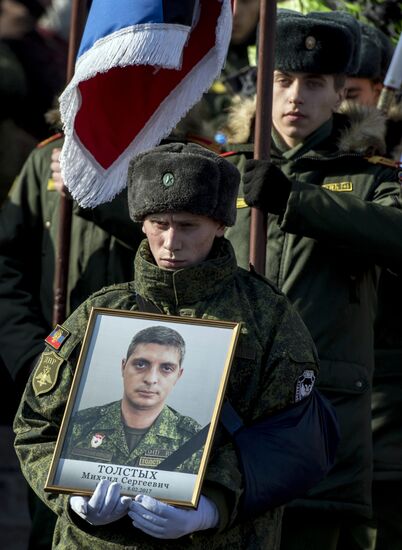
(105, 505)
(265, 186)
(163, 521)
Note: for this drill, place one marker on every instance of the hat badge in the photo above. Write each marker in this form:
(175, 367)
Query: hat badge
(310, 43)
(168, 179)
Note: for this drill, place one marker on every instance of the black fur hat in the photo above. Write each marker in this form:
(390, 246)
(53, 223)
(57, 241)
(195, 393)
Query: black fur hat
(182, 177)
(375, 53)
(319, 42)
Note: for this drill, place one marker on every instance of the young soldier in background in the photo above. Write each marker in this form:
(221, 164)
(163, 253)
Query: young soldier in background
(333, 215)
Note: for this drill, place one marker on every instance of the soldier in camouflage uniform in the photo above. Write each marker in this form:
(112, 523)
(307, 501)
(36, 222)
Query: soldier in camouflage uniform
(139, 430)
(184, 195)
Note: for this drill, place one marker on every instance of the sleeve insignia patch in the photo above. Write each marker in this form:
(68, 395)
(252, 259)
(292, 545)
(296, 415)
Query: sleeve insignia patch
(45, 376)
(304, 385)
(340, 186)
(241, 203)
(57, 337)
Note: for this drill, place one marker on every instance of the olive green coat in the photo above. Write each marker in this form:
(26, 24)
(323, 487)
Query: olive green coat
(274, 349)
(387, 384)
(343, 217)
(29, 222)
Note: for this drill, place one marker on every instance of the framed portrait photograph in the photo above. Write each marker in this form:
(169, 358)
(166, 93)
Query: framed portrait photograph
(144, 405)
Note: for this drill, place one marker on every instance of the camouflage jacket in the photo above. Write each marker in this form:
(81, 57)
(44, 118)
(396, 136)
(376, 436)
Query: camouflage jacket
(274, 350)
(169, 432)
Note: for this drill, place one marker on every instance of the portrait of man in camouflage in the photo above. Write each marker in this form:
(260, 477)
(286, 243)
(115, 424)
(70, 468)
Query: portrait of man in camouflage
(140, 429)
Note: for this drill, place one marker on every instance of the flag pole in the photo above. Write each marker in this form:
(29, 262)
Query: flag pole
(77, 21)
(392, 80)
(263, 122)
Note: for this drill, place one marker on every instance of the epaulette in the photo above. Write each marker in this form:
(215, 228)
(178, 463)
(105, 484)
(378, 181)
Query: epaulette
(49, 140)
(205, 142)
(236, 149)
(112, 288)
(384, 161)
(264, 279)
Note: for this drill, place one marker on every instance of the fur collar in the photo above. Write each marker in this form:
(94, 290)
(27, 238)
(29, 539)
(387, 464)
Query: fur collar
(364, 132)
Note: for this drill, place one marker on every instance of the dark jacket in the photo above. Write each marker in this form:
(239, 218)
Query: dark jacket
(343, 219)
(29, 222)
(274, 350)
(387, 383)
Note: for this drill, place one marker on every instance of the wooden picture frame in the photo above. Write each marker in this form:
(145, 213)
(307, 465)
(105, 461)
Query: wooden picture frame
(116, 392)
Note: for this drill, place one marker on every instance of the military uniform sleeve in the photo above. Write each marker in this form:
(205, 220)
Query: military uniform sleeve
(23, 326)
(287, 376)
(363, 220)
(41, 410)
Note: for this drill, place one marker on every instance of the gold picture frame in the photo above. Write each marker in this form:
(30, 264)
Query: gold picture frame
(111, 377)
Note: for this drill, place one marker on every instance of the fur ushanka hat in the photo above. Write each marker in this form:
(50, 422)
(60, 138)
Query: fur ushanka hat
(180, 177)
(318, 42)
(375, 54)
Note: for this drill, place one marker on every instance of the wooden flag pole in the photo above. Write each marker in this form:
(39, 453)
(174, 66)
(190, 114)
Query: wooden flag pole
(263, 122)
(77, 22)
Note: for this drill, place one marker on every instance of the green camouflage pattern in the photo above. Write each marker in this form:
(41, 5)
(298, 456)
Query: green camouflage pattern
(323, 254)
(274, 349)
(169, 432)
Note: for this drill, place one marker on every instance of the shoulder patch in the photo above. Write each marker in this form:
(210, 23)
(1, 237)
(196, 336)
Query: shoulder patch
(49, 140)
(57, 337)
(304, 385)
(46, 373)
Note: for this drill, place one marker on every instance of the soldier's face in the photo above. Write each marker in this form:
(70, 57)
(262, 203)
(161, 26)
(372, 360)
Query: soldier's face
(245, 20)
(180, 239)
(302, 103)
(363, 91)
(149, 375)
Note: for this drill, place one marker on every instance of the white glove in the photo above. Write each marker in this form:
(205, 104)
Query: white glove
(163, 521)
(104, 506)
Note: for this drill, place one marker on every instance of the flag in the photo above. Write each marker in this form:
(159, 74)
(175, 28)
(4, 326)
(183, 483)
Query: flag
(141, 66)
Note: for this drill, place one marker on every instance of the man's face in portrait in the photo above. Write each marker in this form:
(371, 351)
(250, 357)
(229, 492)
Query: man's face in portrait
(149, 375)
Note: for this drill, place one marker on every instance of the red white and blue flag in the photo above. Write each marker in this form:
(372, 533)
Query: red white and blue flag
(140, 68)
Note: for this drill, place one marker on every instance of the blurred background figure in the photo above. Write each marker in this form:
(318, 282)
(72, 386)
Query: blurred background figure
(56, 19)
(15, 142)
(238, 77)
(42, 55)
(366, 84)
